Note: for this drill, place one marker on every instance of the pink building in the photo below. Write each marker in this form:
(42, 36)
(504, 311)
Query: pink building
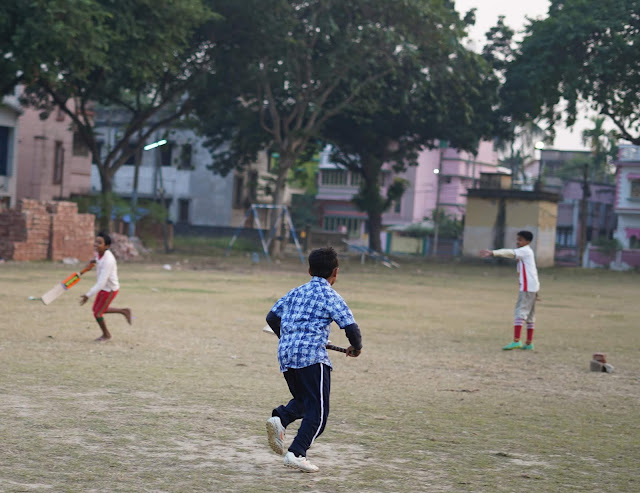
(627, 206)
(442, 176)
(53, 163)
(600, 221)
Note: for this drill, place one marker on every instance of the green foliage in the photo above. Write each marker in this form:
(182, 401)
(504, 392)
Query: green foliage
(585, 51)
(138, 57)
(608, 246)
(436, 91)
(448, 226)
(311, 61)
(120, 207)
(303, 211)
(210, 246)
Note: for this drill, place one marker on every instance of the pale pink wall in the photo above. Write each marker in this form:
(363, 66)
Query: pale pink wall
(36, 149)
(458, 167)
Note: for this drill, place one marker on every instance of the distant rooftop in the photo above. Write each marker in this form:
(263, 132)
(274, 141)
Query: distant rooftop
(628, 153)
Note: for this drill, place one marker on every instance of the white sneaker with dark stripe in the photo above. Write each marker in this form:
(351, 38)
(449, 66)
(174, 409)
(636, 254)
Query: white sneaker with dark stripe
(300, 463)
(275, 432)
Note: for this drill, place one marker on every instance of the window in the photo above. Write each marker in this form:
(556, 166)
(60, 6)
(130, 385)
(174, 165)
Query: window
(356, 179)
(564, 236)
(634, 189)
(334, 177)
(166, 154)
(131, 160)
(79, 146)
(183, 210)
(253, 186)
(58, 163)
(99, 145)
(185, 157)
(238, 186)
(4, 151)
(397, 207)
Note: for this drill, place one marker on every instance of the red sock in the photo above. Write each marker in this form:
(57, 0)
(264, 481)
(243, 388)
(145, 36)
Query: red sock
(529, 336)
(517, 330)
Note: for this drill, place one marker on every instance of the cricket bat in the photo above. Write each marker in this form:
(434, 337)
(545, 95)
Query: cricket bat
(61, 288)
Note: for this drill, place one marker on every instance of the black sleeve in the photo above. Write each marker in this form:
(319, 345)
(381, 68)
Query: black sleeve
(354, 336)
(274, 322)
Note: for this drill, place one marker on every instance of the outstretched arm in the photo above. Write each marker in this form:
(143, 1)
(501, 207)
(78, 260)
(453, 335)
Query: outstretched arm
(504, 252)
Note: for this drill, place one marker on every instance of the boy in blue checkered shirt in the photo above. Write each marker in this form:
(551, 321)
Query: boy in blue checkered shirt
(302, 320)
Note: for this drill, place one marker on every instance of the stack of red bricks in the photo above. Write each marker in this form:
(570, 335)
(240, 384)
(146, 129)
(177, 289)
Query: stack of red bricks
(72, 234)
(46, 230)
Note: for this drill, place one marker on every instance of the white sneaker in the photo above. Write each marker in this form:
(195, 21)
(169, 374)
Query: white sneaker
(300, 463)
(275, 432)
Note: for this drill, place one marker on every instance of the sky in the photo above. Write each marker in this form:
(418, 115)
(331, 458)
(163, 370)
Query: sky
(516, 13)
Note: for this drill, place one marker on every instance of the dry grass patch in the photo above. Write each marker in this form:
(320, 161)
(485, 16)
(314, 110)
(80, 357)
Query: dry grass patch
(177, 402)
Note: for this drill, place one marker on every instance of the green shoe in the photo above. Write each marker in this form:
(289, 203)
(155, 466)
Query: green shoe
(513, 345)
(528, 346)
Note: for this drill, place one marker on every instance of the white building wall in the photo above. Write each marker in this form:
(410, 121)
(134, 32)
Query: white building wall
(209, 195)
(9, 113)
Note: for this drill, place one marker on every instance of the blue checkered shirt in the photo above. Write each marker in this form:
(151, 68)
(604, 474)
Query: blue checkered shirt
(306, 313)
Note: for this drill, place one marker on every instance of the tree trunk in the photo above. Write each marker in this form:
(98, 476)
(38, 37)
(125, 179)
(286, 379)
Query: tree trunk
(286, 163)
(375, 227)
(582, 242)
(369, 198)
(106, 200)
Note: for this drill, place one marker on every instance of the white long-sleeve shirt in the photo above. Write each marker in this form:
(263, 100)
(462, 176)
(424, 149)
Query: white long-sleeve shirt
(107, 273)
(527, 270)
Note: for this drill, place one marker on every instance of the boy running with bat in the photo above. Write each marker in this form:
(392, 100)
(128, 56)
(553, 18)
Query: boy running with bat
(106, 286)
(302, 319)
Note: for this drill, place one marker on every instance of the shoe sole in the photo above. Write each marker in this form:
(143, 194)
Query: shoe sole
(274, 441)
(298, 468)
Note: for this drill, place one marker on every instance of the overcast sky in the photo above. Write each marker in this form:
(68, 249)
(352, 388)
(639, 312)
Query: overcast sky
(516, 13)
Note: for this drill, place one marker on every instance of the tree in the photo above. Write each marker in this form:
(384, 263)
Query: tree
(442, 92)
(585, 51)
(289, 58)
(140, 56)
(604, 148)
(515, 140)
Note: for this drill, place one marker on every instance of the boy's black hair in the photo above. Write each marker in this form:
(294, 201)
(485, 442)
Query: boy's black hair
(527, 235)
(105, 237)
(322, 261)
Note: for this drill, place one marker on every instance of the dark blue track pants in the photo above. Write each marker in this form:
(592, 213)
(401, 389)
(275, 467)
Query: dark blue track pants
(310, 388)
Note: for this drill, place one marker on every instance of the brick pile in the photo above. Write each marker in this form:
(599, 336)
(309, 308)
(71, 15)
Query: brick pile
(123, 248)
(72, 234)
(24, 231)
(45, 230)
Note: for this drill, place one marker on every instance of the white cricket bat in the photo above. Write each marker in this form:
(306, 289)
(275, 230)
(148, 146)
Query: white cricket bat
(60, 288)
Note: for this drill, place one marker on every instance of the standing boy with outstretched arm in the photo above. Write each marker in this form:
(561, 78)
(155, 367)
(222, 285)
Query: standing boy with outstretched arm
(302, 320)
(529, 287)
(106, 286)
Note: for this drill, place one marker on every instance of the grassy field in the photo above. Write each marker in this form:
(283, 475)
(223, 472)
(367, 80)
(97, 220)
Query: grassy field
(177, 401)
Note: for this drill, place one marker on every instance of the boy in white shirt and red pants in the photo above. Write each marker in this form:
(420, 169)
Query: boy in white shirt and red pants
(106, 286)
(529, 287)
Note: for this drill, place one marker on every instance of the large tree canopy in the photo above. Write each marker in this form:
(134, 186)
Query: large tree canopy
(287, 60)
(139, 56)
(584, 51)
(443, 93)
